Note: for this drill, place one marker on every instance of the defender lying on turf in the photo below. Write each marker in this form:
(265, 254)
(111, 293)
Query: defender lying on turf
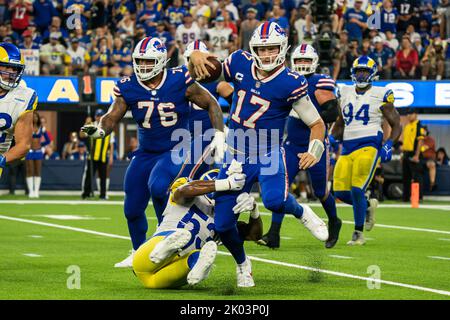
(182, 249)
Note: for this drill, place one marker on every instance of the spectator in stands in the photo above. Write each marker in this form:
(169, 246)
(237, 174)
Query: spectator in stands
(28, 42)
(3, 11)
(174, 15)
(384, 58)
(55, 27)
(424, 31)
(80, 7)
(98, 14)
(442, 158)
(165, 37)
(35, 34)
(389, 17)
(258, 7)
(71, 146)
(84, 40)
(229, 23)
(43, 11)
(77, 58)
(417, 44)
(120, 7)
(435, 30)
(186, 33)
(428, 157)
(20, 14)
(80, 153)
(121, 55)
(304, 27)
(101, 56)
(407, 10)
(413, 135)
(201, 12)
(149, 17)
(126, 24)
(278, 15)
(392, 41)
(355, 21)
(51, 56)
(133, 145)
(444, 15)
(433, 61)
(219, 39)
(407, 60)
(51, 153)
(247, 28)
(341, 69)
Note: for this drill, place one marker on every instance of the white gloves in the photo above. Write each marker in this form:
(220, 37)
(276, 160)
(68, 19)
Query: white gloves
(245, 203)
(235, 180)
(218, 146)
(93, 131)
(235, 167)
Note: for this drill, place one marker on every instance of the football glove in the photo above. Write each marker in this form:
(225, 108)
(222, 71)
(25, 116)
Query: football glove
(93, 131)
(386, 151)
(235, 182)
(218, 146)
(244, 203)
(235, 167)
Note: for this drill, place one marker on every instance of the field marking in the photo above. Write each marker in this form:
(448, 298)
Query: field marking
(67, 217)
(35, 236)
(32, 255)
(339, 257)
(286, 238)
(438, 258)
(274, 262)
(443, 239)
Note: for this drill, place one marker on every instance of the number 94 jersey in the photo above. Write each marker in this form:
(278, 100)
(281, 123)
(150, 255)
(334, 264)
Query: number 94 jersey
(363, 117)
(13, 105)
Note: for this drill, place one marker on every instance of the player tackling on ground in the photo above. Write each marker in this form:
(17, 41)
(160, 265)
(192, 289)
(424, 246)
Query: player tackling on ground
(265, 91)
(359, 126)
(158, 99)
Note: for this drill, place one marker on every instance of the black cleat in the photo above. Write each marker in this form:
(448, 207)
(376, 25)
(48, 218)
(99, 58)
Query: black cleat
(333, 231)
(271, 240)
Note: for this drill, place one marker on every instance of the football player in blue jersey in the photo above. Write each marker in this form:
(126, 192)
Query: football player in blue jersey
(322, 91)
(265, 91)
(158, 99)
(199, 123)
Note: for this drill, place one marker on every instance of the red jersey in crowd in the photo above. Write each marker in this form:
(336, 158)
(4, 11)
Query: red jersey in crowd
(20, 15)
(406, 63)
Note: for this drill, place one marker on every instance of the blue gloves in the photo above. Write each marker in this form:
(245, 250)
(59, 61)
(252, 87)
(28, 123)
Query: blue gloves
(386, 151)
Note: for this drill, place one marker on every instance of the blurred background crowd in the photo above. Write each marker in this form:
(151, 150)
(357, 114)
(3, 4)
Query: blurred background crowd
(407, 38)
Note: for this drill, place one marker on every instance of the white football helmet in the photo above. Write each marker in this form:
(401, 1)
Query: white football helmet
(305, 51)
(194, 45)
(269, 34)
(149, 49)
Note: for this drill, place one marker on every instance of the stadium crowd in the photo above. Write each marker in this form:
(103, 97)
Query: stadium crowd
(407, 38)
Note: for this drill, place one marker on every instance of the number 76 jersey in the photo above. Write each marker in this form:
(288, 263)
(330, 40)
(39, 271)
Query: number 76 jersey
(363, 117)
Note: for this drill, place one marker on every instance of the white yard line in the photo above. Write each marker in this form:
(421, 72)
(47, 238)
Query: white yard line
(443, 239)
(115, 203)
(32, 255)
(339, 257)
(274, 262)
(438, 258)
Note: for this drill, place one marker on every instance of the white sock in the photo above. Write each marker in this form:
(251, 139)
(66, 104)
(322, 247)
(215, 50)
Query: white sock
(329, 184)
(30, 186)
(98, 184)
(37, 186)
(107, 185)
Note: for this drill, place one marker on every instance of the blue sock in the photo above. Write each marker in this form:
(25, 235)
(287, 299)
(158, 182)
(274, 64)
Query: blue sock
(192, 259)
(277, 217)
(291, 206)
(345, 196)
(159, 204)
(359, 207)
(330, 207)
(233, 242)
(138, 230)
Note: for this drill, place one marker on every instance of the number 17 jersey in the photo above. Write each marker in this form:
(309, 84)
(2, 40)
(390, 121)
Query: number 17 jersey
(363, 117)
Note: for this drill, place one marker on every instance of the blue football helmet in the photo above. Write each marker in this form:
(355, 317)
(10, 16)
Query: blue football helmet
(208, 176)
(10, 58)
(363, 71)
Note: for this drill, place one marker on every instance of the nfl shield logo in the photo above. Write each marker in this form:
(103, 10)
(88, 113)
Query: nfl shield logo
(258, 84)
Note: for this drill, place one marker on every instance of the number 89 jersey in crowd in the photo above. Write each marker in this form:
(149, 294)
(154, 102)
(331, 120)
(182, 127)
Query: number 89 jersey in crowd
(13, 105)
(363, 118)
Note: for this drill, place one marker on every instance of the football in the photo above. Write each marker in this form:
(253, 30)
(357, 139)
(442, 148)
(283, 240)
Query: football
(214, 73)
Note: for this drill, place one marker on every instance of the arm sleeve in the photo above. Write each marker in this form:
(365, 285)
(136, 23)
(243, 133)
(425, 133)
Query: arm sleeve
(306, 110)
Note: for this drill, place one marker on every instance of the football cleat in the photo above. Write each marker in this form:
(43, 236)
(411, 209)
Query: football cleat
(244, 274)
(314, 224)
(370, 214)
(270, 239)
(203, 266)
(357, 239)
(333, 231)
(170, 245)
(127, 262)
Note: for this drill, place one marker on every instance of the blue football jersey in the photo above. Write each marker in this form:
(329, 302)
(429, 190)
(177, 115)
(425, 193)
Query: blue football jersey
(297, 131)
(260, 103)
(160, 111)
(199, 114)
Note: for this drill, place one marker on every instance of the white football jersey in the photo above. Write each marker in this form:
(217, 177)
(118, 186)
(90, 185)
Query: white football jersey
(196, 217)
(15, 103)
(218, 38)
(187, 35)
(362, 113)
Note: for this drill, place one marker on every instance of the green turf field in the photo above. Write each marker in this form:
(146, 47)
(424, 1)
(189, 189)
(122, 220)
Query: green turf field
(40, 240)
